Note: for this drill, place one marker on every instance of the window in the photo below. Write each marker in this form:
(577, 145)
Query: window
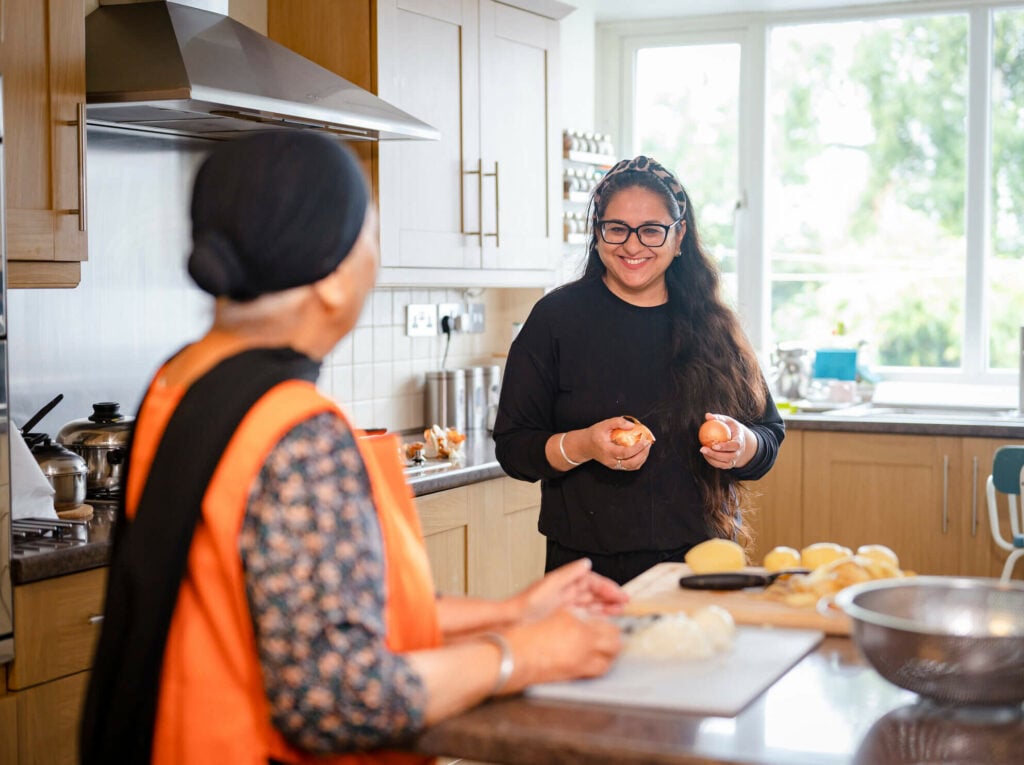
(878, 165)
(1005, 272)
(686, 117)
(866, 186)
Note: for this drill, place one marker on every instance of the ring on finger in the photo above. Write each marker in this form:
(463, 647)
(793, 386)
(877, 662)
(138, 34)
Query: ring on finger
(618, 464)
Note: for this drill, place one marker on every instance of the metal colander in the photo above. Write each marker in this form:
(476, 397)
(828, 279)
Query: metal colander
(954, 640)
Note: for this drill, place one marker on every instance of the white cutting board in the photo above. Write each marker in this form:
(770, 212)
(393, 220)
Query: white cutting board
(722, 685)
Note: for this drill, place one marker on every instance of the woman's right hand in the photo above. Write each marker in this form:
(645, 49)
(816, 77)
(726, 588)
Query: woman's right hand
(610, 454)
(562, 646)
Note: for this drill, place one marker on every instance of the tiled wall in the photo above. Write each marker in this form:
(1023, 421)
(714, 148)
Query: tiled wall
(378, 372)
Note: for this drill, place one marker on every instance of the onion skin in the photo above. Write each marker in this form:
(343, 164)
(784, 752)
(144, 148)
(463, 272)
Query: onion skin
(634, 435)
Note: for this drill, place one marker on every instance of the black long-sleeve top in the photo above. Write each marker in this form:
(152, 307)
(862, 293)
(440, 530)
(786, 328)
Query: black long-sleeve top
(585, 355)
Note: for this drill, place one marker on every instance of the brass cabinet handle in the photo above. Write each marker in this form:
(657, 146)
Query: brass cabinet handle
(974, 497)
(79, 124)
(95, 618)
(479, 173)
(945, 493)
(497, 208)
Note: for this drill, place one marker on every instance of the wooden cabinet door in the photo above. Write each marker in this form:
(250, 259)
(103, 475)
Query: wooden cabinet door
(8, 727)
(774, 508)
(519, 137)
(42, 57)
(444, 518)
(888, 489)
(506, 552)
(980, 556)
(48, 720)
(430, 190)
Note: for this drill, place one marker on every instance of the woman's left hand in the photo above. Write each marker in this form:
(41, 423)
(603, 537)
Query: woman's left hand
(734, 453)
(574, 586)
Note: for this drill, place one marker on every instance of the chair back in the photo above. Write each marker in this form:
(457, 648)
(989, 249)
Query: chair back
(1007, 478)
(1006, 467)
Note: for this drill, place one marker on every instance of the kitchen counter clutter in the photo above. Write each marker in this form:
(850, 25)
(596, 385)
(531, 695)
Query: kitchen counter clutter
(477, 464)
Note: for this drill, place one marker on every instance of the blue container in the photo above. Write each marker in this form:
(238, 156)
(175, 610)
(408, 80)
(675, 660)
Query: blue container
(835, 363)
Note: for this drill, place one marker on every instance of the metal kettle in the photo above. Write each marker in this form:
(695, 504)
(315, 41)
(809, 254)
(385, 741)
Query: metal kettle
(792, 371)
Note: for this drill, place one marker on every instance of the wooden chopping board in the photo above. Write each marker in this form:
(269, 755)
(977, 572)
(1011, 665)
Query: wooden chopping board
(657, 590)
(722, 685)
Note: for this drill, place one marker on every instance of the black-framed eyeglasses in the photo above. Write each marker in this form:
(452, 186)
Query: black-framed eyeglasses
(649, 234)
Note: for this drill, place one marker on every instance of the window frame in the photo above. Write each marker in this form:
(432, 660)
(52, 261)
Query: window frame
(617, 46)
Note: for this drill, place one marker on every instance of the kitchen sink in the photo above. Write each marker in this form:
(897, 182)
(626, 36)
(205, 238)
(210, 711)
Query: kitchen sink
(930, 412)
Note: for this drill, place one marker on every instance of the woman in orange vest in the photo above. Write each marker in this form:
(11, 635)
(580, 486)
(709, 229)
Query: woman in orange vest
(269, 597)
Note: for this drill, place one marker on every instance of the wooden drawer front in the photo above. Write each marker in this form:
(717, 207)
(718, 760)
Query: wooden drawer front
(56, 626)
(519, 495)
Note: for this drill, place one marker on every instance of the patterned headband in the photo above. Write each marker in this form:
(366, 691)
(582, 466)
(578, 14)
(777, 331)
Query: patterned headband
(644, 164)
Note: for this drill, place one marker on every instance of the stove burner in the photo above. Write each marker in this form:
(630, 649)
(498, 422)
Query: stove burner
(31, 536)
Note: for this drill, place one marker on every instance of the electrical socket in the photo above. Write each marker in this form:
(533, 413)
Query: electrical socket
(452, 311)
(421, 320)
(475, 318)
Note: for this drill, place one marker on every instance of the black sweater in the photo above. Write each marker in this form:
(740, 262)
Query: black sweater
(583, 356)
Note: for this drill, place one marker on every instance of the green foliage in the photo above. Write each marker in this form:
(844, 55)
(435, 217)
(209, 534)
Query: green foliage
(915, 74)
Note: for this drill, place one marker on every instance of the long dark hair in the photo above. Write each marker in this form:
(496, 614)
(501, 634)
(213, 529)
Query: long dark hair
(714, 367)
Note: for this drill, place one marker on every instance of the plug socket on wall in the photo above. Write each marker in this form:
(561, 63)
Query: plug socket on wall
(421, 320)
(453, 311)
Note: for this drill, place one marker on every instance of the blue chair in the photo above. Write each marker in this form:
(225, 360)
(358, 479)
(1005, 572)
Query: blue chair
(1007, 478)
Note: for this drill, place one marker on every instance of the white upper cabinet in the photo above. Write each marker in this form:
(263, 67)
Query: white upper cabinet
(480, 207)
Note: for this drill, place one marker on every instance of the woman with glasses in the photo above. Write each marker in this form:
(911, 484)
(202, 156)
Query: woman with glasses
(643, 332)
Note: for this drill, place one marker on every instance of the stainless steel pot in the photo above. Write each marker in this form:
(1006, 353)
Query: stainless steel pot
(64, 469)
(101, 439)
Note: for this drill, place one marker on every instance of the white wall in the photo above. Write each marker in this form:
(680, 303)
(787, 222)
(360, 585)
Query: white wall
(577, 66)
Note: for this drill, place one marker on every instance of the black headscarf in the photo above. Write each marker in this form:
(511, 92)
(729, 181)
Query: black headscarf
(272, 211)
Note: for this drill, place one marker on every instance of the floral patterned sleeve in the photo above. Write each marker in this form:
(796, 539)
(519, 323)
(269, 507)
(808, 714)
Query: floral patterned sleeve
(314, 569)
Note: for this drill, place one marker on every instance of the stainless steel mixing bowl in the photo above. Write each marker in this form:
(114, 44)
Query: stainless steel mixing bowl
(954, 640)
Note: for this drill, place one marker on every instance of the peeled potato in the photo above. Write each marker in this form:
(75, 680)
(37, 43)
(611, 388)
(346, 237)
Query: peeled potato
(781, 557)
(632, 436)
(880, 553)
(714, 556)
(822, 553)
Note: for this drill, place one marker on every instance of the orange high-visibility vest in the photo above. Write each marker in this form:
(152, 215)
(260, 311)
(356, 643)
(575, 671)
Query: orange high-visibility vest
(212, 706)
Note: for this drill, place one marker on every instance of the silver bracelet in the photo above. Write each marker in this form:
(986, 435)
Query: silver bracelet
(561, 448)
(508, 662)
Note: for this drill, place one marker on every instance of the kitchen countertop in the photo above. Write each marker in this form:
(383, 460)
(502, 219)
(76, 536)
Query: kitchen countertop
(830, 709)
(478, 464)
(892, 424)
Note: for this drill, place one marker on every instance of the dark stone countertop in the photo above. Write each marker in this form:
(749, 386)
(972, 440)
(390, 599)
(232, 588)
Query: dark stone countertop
(477, 465)
(830, 709)
(917, 425)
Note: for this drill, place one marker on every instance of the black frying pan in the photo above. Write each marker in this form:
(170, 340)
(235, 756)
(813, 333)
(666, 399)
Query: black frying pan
(734, 580)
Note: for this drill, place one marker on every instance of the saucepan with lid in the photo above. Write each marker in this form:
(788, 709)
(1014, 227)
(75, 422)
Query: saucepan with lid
(101, 439)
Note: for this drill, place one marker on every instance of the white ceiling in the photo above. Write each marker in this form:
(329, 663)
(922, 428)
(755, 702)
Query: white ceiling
(629, 10)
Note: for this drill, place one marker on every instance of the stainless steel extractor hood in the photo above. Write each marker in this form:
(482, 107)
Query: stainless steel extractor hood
(168, 67)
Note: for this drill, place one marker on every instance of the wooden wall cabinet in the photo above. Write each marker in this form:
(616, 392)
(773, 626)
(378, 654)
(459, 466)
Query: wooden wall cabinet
(482, 539)
(923, 496)
(481, 206)
(42, 57)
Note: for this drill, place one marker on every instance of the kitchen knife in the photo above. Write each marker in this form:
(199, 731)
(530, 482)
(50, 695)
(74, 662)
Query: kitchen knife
(734, 580)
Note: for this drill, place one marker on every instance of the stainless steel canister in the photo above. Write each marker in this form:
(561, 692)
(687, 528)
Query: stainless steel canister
(493, 383)
(445, 399)
(476, 398)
